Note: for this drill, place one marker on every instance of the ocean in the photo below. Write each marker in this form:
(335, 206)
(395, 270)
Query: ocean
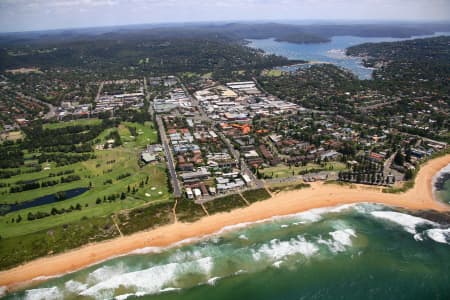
(441, 184)
(331, 52)
(362, 251)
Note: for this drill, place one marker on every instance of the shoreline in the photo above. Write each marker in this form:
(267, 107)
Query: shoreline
(319, 195)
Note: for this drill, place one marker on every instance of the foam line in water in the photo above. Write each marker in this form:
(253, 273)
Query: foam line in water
(277, 250)
(147, 250)
(75, 287)
(408, 222)
(439, 235)
(340, 240)
(213, 280)
(52, 293)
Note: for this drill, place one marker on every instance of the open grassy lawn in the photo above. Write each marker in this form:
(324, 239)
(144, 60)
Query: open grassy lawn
(93, 121)
(283, 171)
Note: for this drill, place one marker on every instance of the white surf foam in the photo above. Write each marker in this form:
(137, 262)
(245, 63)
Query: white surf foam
(52, 293)
(152, 280)
(212, 281)
(408, 222)
(105, 273)
(340, 240)
(124, 296)
(75, 287)
(169, 289)
(277, 264)
(277, 250)
(243, 237)
(343, 237)
(147, 250)
(439, 235)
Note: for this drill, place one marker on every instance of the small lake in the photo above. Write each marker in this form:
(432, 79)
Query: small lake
(8, 208)
(330, 52)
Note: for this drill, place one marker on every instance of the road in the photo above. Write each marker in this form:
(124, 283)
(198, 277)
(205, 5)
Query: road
(100, 88)
(169, 158)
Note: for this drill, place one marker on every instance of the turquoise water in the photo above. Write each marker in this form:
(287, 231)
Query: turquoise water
(362, 251)
(445, 193)
(331, 52)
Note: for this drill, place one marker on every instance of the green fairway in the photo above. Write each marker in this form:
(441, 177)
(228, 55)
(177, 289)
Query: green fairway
(145, 134)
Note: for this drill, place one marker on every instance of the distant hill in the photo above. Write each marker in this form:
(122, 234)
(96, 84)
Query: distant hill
(231, 31)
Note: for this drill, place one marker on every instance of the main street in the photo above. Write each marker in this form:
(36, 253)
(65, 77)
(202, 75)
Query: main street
(169, 158)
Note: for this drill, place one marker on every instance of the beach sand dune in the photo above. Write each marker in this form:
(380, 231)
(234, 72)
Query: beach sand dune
(284, 203)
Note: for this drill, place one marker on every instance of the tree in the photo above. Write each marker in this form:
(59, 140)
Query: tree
(30, 216)
(409, 174)
(399, 159)
(19, 218)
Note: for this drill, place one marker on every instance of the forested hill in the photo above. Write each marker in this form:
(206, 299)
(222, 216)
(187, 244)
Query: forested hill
(159, 56)
(419, 61)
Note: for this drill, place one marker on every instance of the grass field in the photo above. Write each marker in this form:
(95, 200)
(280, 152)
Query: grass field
(146, 134)
(273, 73)
(283, 171)
(93, 121)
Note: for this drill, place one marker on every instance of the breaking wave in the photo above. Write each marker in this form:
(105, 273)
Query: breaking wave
(408, 222)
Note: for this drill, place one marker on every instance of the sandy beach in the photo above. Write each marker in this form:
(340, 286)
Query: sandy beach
(284, 203)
